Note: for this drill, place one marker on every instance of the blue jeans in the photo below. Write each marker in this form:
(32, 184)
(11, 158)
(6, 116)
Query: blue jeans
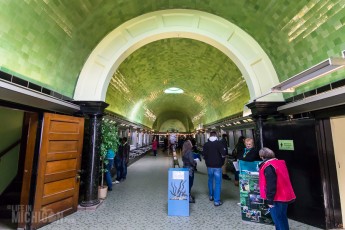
(214, 183)
(155, 152)
(108, 173)
(237, 175)
(118, 165)
(279, 215)
(124, 169)
(191, 178)
(121, 169)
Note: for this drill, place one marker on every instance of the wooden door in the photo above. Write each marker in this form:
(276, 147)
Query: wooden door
(57, 184)
(29, 134)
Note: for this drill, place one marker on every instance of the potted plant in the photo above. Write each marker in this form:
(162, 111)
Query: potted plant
(110, 140)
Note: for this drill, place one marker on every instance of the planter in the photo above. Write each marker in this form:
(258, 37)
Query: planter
(102, 192)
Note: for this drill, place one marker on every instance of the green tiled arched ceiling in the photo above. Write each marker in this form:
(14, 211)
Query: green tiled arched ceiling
(48, 42)
(212, 84)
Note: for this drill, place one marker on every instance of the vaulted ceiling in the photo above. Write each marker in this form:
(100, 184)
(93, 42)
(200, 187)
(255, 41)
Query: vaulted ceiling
(212, 84)
(48, 42)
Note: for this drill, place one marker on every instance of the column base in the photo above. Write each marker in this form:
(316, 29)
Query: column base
(89, 207)
(90, 203)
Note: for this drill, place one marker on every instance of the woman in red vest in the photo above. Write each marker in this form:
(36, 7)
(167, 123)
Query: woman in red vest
(275, 187)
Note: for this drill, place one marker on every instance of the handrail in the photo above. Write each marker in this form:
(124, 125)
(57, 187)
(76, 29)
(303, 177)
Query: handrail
(10, 148)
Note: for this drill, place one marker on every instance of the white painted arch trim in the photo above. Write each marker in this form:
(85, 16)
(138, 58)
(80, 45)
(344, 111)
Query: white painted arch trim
(239, 46)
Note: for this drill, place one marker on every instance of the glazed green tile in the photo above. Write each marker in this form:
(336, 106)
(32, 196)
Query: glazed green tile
(203, 72)
(47, 42)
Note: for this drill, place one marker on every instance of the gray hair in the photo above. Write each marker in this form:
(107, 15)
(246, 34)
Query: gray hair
(266, 153)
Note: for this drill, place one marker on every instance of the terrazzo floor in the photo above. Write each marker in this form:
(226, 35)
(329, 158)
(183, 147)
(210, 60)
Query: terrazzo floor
(140, 202)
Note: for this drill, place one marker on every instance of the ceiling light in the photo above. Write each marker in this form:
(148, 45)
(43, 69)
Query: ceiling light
(319, 70)
(173, 90)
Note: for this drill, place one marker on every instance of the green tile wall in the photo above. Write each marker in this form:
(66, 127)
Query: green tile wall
(47, 42)
(211, 81)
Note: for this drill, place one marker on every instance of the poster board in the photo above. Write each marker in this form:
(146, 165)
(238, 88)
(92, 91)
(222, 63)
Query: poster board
(253, 207)
(178, 192)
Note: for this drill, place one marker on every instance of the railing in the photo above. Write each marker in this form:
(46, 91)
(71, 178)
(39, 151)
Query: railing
(5, 151)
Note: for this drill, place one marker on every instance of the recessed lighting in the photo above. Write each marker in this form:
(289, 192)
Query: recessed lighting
(173, 90)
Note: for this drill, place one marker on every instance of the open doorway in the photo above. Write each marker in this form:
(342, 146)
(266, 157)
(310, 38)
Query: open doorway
(16, 158)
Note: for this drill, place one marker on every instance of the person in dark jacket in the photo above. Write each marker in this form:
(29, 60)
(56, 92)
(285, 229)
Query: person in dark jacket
(239, 147)
(275, 187)
(225, 144)
(123, 158)
(189, 162)
(126, 150)
(214, 155)
(118, 162)
(249, 153)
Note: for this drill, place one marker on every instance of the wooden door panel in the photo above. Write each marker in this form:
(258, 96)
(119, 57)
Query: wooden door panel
(62, 146)
(53, 212)
(60, 166)
(58, 207)
(57, 197)
(63, 126)
(57, 186)
(61, 155)
(59, 176)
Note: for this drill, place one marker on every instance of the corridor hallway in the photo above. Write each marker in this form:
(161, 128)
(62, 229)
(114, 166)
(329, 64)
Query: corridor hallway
(141, 203)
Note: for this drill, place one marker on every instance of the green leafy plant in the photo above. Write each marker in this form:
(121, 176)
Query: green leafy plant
(110, 140)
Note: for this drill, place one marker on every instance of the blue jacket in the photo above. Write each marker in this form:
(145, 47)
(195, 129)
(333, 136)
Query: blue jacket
(110, 154)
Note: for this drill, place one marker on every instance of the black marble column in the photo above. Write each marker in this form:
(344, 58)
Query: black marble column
(261, 111)
(94, 110)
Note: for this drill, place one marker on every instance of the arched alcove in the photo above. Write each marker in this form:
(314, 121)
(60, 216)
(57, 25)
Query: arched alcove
(239, 46)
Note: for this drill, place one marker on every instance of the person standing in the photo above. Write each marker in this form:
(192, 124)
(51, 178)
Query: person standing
(275, 187)
(249, 153)
(166, 143)
(225, 144)
(118, 162)
(154, 145)
(189, 162)
(110, 158)
(125, 160)
(239, 147)
(214, 155)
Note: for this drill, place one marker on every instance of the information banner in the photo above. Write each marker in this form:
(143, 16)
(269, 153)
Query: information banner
(178, 192)
(253, 207)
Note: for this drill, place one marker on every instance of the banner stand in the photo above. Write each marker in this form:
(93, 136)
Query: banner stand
(253, 207)
(178, 192)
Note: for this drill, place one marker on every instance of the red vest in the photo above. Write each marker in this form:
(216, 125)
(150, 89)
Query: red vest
(284, 191)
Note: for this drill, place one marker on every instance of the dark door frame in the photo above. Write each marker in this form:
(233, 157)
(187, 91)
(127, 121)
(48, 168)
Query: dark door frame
(329, 177)
(29, 143)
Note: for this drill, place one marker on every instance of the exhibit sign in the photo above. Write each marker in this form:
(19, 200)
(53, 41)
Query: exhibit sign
(253, 207)
(286, 145)
(178, 192)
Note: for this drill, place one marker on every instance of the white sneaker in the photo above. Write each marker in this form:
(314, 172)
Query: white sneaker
(117, 182)
(239, 204)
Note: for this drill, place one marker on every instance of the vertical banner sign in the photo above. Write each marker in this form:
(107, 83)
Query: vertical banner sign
(253, 207)
(178, 192)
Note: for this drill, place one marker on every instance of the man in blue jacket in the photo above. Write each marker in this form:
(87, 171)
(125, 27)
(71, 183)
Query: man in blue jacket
(214, 153)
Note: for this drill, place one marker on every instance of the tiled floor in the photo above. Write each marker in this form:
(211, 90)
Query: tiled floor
(141, 203)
